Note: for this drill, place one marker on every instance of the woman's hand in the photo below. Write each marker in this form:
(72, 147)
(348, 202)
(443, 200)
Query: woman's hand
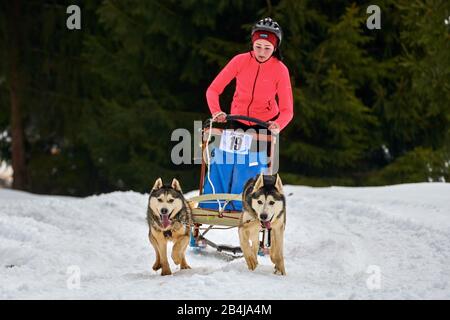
(274, 127)
(220, 117)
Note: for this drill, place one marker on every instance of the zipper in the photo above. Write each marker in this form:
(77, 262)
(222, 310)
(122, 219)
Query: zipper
(253, 91)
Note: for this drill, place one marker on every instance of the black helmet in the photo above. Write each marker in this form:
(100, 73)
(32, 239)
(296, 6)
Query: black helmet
(267, 24)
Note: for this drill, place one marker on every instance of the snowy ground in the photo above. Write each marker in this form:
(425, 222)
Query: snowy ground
(337, 239)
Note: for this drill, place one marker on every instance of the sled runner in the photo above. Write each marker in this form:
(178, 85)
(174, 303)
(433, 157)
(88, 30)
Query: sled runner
(229, 158)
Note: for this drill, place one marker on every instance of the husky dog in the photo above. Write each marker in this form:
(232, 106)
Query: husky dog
(264, 207)
(169, 218)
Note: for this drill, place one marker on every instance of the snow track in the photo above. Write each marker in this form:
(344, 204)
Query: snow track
(335, 238)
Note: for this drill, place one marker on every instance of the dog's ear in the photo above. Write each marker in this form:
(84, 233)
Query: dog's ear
(278, 184)
(158, 184)
(259, 182)
(176, 185)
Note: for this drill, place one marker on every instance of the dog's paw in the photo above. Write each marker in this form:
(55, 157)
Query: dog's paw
(156, 266)
(279, 271)
(185, 266)
(252, 263)
(166, 272)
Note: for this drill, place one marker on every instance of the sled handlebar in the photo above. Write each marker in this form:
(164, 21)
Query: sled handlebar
(250, 119)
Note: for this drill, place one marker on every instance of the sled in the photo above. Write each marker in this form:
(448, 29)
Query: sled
(219, 203)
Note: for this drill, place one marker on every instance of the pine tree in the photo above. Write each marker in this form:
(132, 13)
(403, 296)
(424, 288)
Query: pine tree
(15, 84)
(152, 63)
(51, 97)
(4, 92)
(99, 105)
(415, 114)
(335, 130)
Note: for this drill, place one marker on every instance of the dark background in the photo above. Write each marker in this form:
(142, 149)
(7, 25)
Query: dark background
(92, 110)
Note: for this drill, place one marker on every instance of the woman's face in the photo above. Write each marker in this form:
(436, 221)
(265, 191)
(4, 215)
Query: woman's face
(263, 49)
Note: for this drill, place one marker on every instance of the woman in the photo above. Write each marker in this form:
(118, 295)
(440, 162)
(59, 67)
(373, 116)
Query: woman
(260, 76)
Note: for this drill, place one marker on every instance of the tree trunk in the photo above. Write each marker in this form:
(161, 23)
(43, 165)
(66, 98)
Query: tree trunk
(17, 133)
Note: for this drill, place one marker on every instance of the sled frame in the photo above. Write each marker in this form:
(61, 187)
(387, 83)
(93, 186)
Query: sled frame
(223, 219)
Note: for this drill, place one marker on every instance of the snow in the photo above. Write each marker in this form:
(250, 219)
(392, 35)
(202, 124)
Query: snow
(389, 242)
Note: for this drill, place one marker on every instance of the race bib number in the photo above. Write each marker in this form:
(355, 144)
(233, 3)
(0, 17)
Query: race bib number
(235, 142)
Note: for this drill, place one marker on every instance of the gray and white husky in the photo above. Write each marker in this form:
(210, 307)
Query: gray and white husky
(169, 218)
(264, 207)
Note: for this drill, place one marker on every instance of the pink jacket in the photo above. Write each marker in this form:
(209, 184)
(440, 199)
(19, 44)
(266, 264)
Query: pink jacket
(256, 86)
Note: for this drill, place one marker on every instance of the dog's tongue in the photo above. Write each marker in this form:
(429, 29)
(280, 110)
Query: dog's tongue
(165, 220)
(267, 224)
